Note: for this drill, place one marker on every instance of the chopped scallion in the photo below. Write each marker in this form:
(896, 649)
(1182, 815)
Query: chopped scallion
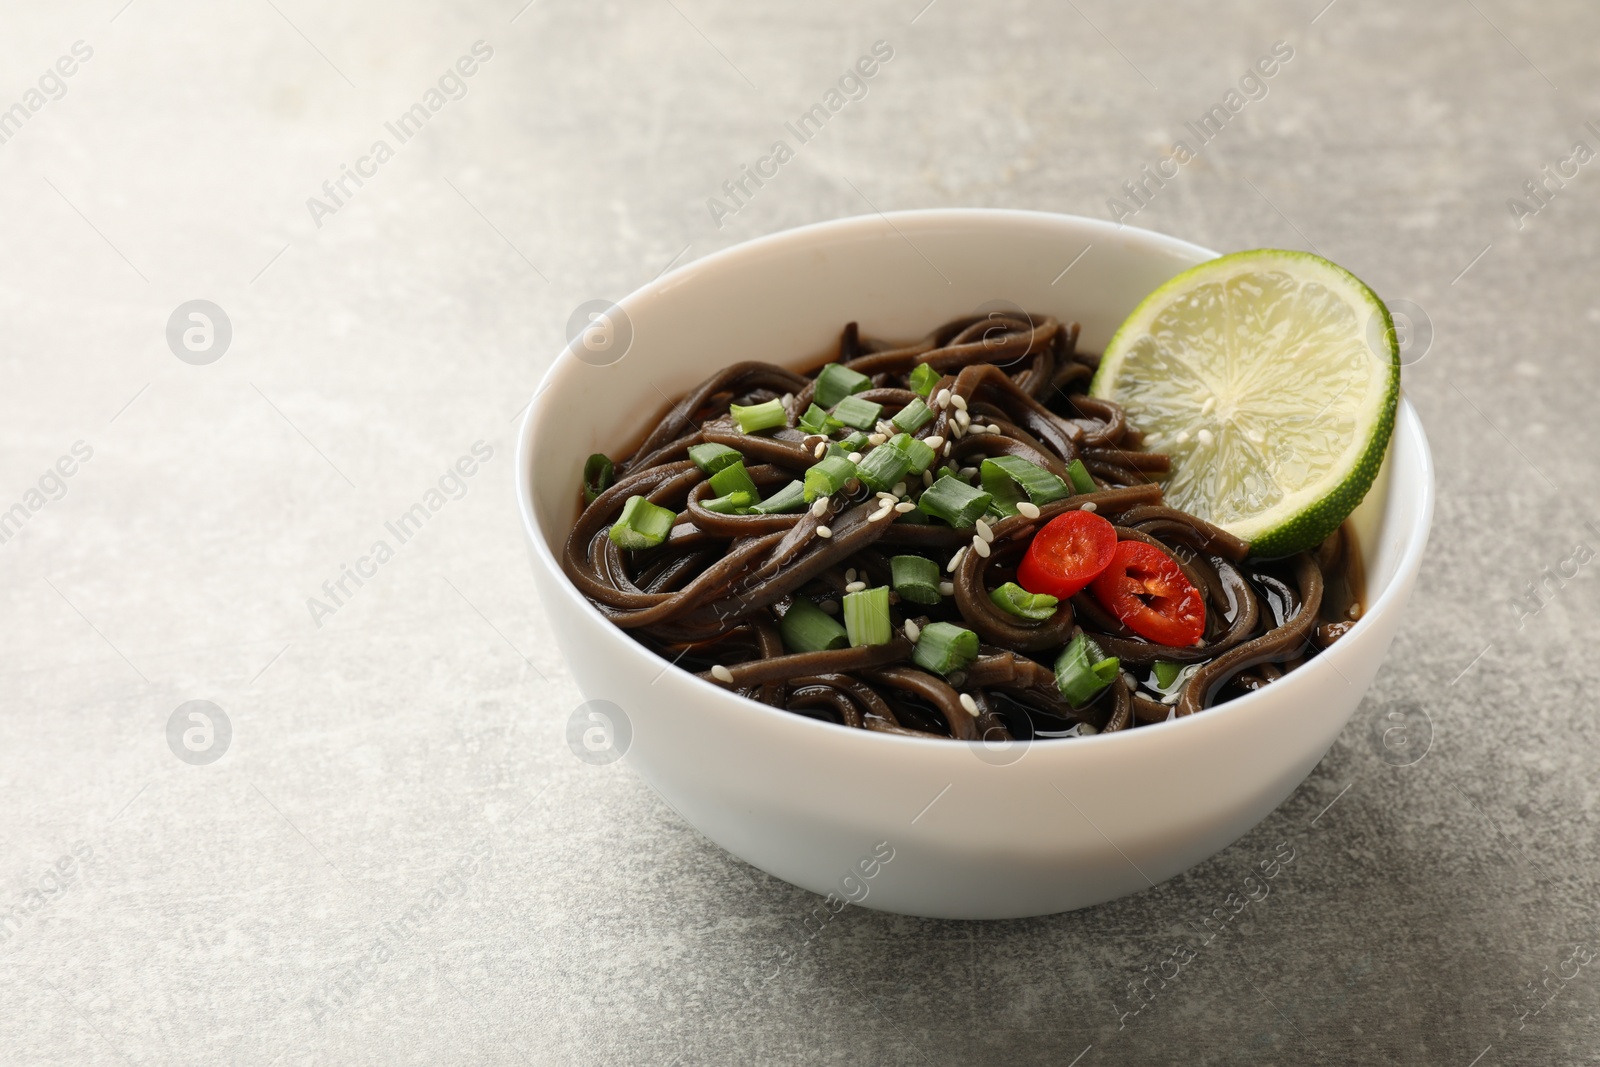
(861, 414)
(815, 420)
(1167, 673)
(791, 497)
(883, 467)
(734, 479)
(642, 524)
(945, 648)
(1078, 475)
(735, 503)
(712, 457)
(923, 379)
(827, 476)
(1010, 479)
(758, 417)
(836, 381)
(913, 417)
(598, 474)
(866, 617)
(807, 628)
(954, 501)
(918, 453)
(915, 578)
(1015, 600)
(1083, 670)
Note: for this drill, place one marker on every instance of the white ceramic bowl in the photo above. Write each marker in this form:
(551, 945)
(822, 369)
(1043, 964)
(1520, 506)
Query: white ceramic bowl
(975, 832)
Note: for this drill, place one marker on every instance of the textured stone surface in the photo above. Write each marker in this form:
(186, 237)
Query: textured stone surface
(422, 726)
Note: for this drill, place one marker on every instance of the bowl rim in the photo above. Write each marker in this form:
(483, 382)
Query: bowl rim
(1407, 423)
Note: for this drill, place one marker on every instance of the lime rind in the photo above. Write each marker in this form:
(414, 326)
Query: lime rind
(1271, 378)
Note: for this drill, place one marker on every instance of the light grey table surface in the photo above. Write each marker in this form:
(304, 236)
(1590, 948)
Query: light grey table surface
(161, 911)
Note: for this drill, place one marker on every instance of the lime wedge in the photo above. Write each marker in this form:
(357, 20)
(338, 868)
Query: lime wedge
(1271, 379)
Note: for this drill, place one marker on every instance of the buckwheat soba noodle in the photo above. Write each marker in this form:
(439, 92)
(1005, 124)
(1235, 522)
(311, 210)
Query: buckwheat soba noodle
(947, 538)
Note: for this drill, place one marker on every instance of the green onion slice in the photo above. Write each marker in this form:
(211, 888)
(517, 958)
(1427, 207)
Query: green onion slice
(945, 648)
(1010, 479)
(598, 474)
(913, 417)
(954, 501)
(758, 417)
(915, 578)
(1012, 599)
(1083, 670)
(923, 379)
(861, 414)
(827, 476)
(883, 467)
(1167, 673)
(1078, 475)
(791, 497)
(711, 457)
(807, 628)
(642, 524)
(836, 381)
(735, 503)
(866, 617)
(734, 479)
(918, 453)
(815, 420)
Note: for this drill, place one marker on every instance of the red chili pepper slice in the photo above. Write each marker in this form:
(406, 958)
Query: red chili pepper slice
(1066, 555)
(1152, 596)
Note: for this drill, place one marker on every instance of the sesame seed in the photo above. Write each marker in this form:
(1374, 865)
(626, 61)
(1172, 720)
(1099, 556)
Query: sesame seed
(970, 704)
(820, 508)
(927, 477)
(1205, 436)
(957, 678)
(882, 513)
(1183, 437)
(876, 439)
(942, 399)
(821, 449)
(824, 532)
(959, 401)
(981, 547)
(984, 530)
(1027, 510)
(994, 429)
(854, 457)
(935, 442)
(831, 607)
(855, 587)
(853, 484)
(905, 507)
(850, 575)
(788, 399)
(1089, 505)
(948, 445)
(899, 489)
(1255, 436)
(968, 472)
(947, 589)
(1209, 406)
(1086, 729)
(955, 560)
(913, 631)
(721, 673)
